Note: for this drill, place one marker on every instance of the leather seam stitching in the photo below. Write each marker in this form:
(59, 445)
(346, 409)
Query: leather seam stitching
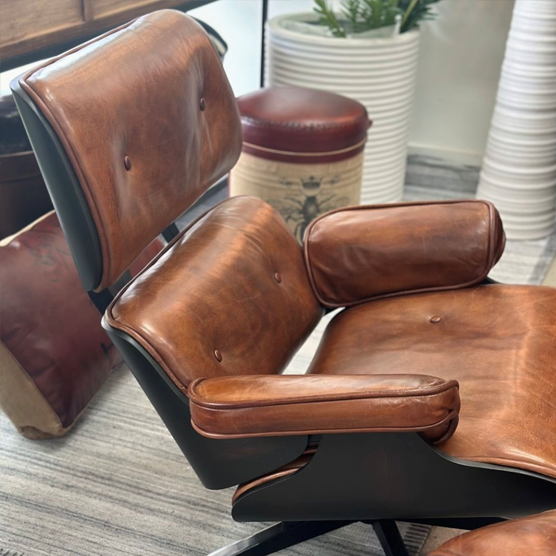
(264, 122)
(66, 144)
(373, 430)
(196, 398)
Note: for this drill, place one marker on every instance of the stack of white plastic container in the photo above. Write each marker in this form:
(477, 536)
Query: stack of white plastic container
(519, 168)
(378, 72)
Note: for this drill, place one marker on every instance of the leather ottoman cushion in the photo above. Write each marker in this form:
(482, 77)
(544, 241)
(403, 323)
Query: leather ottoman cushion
(54, 355)
(497, 341)
(530, 536)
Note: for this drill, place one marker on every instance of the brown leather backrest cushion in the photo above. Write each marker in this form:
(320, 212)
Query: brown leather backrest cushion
(148, 120)
(230, 296)
(54, 354)
(361, 253)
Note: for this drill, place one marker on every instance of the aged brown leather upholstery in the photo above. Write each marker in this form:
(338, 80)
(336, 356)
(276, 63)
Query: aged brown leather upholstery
(529, 536)
(246, 304)
(229, 301)
(499, 343)
(362, 253)
(283, 405)
(124, 139)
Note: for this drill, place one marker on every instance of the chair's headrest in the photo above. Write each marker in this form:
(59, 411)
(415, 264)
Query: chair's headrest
(148, 121)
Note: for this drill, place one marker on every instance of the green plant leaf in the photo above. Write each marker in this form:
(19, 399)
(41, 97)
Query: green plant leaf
(378, 13)
(328, 18)
(363, 15)
(352, 11)
(421, 11)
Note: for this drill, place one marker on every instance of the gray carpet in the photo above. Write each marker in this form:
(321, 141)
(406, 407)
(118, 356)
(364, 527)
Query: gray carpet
(118, 485)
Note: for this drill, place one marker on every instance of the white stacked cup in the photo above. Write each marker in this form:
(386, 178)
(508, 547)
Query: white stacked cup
(519, 168)
(378, 72)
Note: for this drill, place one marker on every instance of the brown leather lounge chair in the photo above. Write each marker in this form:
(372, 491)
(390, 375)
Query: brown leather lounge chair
(129, 130)
(529, 536)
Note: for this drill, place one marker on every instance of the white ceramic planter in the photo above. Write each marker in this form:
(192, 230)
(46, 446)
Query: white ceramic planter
(519, 168)
(379, 72)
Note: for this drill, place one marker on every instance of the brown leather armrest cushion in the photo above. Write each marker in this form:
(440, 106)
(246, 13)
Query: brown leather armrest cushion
(277, 405)
(54, 354)
(369, 252)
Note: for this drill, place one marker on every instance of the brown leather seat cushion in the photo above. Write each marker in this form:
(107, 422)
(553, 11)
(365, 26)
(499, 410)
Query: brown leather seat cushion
(498, 341)
(530, 536)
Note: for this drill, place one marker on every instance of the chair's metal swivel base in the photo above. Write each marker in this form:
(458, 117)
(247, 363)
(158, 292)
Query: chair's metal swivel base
(285, 534)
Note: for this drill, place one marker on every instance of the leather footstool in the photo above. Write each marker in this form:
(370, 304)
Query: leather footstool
(302, 152)
(530, 536)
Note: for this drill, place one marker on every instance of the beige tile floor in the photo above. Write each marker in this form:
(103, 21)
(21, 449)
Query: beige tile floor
(440, 535)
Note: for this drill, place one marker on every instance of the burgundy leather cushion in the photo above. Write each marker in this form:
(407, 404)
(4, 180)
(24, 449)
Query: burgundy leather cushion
(282, 121)
(49, 330)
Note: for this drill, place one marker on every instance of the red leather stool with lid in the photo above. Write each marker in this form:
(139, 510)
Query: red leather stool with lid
(302, 152)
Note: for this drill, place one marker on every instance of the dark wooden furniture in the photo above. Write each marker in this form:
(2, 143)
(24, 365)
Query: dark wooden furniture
(23, 195)
(35, 29)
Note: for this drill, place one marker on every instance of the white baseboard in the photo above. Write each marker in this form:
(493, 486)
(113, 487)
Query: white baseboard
(447, 155)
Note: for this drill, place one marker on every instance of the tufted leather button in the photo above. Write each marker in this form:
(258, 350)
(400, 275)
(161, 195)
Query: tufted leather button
(277, 277)
(202, 104)
(436, 319)
(217, 355)
(127, 163)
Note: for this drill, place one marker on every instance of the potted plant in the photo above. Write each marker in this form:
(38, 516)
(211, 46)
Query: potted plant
(367, 51)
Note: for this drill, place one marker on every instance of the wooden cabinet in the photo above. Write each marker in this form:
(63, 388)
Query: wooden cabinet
(35, 29)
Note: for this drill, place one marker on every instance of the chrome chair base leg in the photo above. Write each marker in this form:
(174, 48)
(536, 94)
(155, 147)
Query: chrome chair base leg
(279, 536)
(286, 534)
